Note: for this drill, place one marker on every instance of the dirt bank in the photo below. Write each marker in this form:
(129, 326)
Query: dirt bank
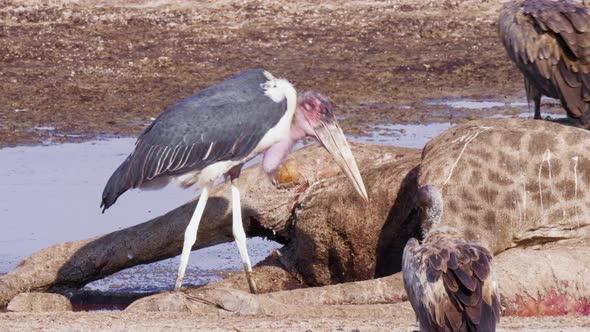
(74, 67)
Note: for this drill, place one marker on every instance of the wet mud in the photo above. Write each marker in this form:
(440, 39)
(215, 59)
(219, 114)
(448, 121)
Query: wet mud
(73, 70)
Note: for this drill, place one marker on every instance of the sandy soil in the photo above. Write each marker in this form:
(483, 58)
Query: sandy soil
(123, 321)
(90, 69)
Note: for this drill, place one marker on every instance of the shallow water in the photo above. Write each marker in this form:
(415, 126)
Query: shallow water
(407, 135)
(51, 194)
(417, 135)
(477, 104)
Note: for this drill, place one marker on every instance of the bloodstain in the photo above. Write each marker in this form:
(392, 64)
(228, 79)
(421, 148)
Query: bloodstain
(549, 304)
(303, 187)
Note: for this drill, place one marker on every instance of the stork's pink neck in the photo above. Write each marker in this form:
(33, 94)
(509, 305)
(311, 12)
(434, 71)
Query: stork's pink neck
(274, 156)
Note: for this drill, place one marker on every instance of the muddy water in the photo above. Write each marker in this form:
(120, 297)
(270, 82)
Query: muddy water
(477, 104)
(51, 193)
(409, 135)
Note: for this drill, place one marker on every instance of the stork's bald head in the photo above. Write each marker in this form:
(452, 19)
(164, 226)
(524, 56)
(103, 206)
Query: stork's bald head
(315, 118)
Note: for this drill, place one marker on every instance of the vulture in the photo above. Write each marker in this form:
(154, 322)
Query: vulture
(450, 281)
(549, 41)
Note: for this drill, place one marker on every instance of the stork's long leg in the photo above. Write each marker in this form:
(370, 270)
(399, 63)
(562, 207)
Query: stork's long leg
(238, 229)
(190, 236)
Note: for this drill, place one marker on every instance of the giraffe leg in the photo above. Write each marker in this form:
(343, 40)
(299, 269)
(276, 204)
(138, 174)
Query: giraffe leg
(190, 236)
(238, 229)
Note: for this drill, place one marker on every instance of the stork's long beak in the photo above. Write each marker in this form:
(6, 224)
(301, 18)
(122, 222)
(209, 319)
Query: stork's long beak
(332, 138)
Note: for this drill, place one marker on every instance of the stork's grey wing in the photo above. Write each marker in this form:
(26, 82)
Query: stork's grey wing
(223, 122)
(550, 42)
(451, 285)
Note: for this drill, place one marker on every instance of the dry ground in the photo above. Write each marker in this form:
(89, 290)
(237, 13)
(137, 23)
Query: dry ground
(107, 321)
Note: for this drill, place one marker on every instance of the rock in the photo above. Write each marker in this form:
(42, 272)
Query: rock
(39, 302)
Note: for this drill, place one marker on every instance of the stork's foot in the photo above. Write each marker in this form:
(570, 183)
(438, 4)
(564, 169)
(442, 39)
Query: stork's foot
(177, 284)
(251, 282)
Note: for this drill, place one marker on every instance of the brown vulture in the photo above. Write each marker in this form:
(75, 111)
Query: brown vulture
(549, 41)
(450, 282)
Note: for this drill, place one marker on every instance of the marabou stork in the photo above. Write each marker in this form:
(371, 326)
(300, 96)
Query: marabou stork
(450, 282)
(549, 41)
(215, 131)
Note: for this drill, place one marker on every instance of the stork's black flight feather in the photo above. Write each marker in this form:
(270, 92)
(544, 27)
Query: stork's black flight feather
(223, 122)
